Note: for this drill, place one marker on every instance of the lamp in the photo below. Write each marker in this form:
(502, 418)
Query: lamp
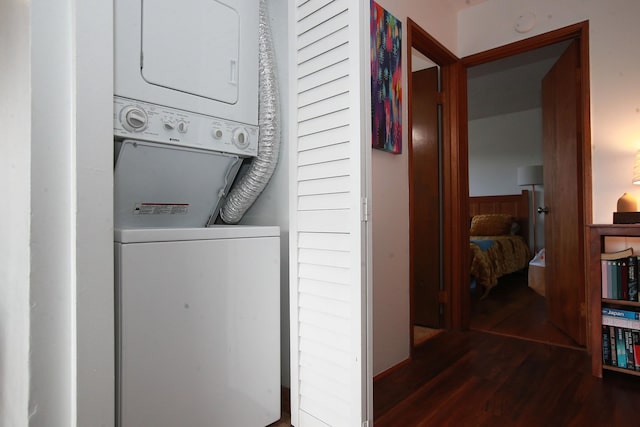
(533, 175)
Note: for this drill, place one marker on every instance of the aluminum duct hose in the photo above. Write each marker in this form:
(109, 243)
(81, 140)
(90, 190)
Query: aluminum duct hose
(251, 184)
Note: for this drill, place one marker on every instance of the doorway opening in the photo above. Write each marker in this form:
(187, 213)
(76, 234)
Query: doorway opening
(426, 165)
(567, 164)
(505, 135)
(432, 100)
(455, 297)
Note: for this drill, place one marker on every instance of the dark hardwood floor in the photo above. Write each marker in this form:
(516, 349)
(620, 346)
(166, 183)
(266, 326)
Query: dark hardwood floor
(488, 377)
(514, 309)
(481, 379)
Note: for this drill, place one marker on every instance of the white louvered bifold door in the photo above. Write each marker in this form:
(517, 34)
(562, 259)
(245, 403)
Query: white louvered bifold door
(330, 378)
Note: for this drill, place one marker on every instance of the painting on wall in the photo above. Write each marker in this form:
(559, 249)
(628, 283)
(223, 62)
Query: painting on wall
(386, 80)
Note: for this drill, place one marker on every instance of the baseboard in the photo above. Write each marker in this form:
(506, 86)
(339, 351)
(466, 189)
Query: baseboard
(391, 370)
(285, 400)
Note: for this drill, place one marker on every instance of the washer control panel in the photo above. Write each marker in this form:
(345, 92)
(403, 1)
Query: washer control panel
(149, 122)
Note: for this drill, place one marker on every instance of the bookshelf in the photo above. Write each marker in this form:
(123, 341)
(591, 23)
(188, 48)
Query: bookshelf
(596, 236)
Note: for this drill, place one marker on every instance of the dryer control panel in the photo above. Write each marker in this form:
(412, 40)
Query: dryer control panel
(149, 122)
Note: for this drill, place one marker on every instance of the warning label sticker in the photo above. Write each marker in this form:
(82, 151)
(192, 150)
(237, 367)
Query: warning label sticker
(161, 209)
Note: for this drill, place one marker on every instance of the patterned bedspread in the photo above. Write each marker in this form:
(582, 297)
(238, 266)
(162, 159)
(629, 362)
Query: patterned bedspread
(506, 255)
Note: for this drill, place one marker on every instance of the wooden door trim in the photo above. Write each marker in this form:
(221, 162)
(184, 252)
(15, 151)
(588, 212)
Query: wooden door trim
(575, 31)
(579, 32)
(454, 186)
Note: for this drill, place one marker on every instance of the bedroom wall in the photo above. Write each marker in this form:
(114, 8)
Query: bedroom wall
(390, 203)
(614, 74)
(498, 145)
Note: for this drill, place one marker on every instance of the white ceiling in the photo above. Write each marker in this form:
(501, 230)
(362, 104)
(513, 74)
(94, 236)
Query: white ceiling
(462, 4)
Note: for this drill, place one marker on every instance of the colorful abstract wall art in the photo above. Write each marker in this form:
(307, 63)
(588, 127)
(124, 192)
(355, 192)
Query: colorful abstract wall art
(386, 80)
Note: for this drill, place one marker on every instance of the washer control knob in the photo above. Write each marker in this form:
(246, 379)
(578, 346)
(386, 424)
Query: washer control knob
(240, 138)
(217, 133)
(183, 126)
(134, 119)
(168, 123)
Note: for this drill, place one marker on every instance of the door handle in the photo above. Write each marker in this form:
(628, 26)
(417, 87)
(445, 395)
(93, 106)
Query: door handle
(544, 210)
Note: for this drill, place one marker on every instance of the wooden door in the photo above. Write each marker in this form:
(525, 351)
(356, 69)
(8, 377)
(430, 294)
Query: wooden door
(564, 226)
(426, 198)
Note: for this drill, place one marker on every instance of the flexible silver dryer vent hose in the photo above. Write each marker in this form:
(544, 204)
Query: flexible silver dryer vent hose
(251, 184)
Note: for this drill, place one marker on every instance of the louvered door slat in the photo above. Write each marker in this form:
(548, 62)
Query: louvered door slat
(326, 239)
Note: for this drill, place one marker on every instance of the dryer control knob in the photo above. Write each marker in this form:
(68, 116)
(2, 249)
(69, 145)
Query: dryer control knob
(240, 138)
(217, 133)
(183, 127)
(134, 119)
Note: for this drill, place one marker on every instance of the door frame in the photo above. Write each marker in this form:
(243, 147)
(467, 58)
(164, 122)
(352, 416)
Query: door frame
(454, 157)
(580, 33)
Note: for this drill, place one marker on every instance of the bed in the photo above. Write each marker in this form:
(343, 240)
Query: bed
(499, 244)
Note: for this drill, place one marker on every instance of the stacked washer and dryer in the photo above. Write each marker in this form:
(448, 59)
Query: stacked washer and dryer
(198, 304)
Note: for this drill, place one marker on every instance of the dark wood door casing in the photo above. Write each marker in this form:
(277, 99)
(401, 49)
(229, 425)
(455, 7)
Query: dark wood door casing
(454, 187)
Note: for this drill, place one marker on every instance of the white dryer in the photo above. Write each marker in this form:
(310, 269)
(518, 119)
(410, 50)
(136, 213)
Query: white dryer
(193, 55)
(185, 107)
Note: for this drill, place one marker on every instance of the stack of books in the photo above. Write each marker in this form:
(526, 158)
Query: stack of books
(621, 338)
(620, 275)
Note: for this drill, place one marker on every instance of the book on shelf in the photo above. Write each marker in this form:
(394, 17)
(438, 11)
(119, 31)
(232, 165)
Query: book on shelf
(620, 278)
(606, 278)
(628, 345)
(606, 346)
(617, 312)
(617, 255)
(620, 318)
(632, 266)
(635, 335)
(621, 337)
(621, 351)
(621, 347)
(612, 345)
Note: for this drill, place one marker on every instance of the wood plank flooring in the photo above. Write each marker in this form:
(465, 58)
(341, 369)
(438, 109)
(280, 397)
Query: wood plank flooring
(488, 377)
(514, 309)
(481, 379)
(514, 368)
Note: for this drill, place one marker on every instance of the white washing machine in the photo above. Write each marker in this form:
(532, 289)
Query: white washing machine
(198, 326)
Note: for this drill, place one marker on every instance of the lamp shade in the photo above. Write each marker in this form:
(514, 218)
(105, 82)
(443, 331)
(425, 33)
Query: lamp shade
(636, 169)
(531, 175)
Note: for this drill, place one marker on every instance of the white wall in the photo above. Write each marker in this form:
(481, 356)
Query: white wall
(52, 215)
(15, 167)
(390, 203)
(498, 145)
(92, 296)
(272, 207)
(614, 74)
(57, 355)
